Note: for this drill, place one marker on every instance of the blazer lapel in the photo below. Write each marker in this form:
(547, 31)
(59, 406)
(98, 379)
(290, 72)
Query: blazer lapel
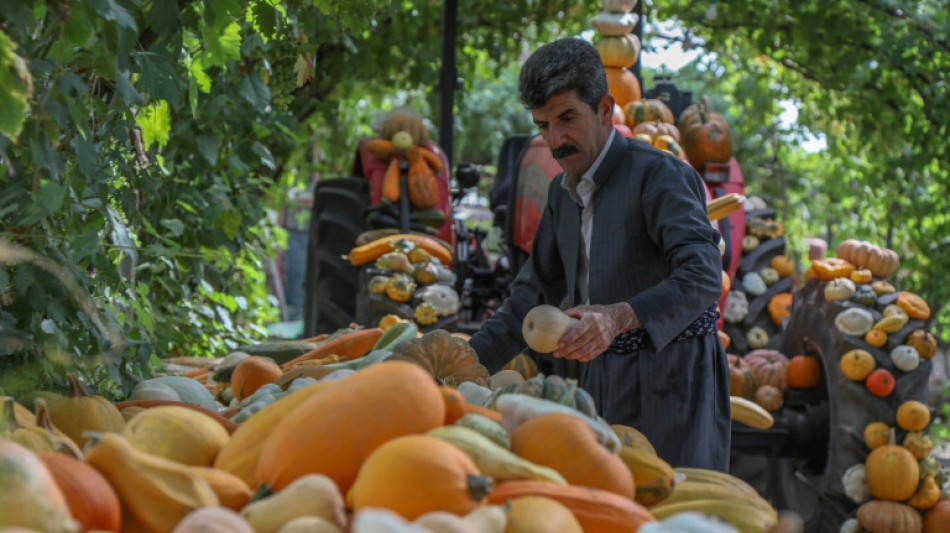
(569, 236)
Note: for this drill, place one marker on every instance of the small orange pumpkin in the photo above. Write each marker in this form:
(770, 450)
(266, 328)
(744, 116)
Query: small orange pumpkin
(862, 275)
(876, 338)
(780, 306)
(891, 472)
(915, 306)
(923, 342)
(81, 412)
(880, 382)
(741, 379)
(803, 372)
(830, 268)
(857, 364)
(783, 265)
(876, 434)
(937, 518)
(414, 474)
(913, 416)
(769, 397)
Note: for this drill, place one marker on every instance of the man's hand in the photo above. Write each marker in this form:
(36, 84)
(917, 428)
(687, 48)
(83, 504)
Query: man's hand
(596, 328)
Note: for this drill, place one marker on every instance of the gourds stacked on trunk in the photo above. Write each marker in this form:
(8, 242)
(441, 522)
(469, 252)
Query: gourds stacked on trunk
(618, 48)
(382, 446)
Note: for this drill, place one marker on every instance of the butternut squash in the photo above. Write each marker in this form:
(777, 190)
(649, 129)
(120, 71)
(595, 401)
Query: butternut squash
(544, 326)
(653, 477)
(310, 495)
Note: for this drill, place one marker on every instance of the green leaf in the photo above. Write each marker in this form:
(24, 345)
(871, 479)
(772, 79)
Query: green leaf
(155, 122)
(16, 85)
(125, 88)
(86, 156)
(174, 225)
(264, 18)
(48, 199)
(112, 11)
(221, 44)
(85, 244)
(252, 89)
(209, 148)
(163, 16)
(230, 222)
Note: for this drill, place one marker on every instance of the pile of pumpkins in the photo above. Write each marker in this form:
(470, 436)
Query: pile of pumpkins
(420, 440)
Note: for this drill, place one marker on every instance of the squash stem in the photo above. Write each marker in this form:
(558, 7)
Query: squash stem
(76, 390)
(480, 486)
(262, 492)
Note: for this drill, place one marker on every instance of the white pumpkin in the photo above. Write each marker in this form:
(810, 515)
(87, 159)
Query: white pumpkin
(737, 307)
(905, 357)
(839, 289)
(757, 338)
(855, 486)
(753, 283)
(769, 275)
(850, 525)
(443, 298)
(854, 321)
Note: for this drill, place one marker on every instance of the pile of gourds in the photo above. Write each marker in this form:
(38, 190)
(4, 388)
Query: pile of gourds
(396, 441)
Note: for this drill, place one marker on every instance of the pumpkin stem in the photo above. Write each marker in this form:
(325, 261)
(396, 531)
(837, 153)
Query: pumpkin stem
(76, 389)
(42, 414)
(262, 492)
(9, 421)
(479, 486)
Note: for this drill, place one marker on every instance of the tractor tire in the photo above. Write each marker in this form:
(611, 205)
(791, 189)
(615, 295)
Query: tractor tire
(825, 425)
(337, 219)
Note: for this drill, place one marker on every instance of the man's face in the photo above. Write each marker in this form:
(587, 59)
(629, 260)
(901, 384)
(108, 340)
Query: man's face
(573, 131)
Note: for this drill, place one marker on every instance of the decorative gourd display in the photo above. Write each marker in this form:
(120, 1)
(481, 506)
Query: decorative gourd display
(310, 495)
(913, 416)
(30, 497)
(414, 475)
(568, 445)
(400, 397)
(449, 359)
(544, 326)
(176, 433)
(880, 382)
(891, 472)
(742, 380)
(403, 138)
(90, 497)
(80, 412)
(770, 367)
(803, 372)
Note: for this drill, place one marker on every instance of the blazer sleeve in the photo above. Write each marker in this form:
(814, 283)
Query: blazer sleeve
(540, 280)
(674, 208)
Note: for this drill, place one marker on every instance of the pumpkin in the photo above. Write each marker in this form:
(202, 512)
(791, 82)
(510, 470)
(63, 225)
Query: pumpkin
(749, 243)
(737, 307)
(309, 524)
(632, 438)
(769, 275)
(80, 412)
(190, 390)
(618, 51)
(913, 416)
(854, 484)
(854, 321)
(880, 382)
(857, 364)
(400, 397)
(378, 284)
(623, 85)
(213, 520)
(414, 474)
(915, 306)
(442, 297)
(524, 365)
(425, 314)
(544, 326)
(423, 187)
(177, 433)
(803, 372)
(568, 445)
(839, 289)
(309, 495)
(830, 268)
(400, 288)
(741, 379)
(919, 444)
(881, 262)
(864, 295)
(706, 139)
(656, 129)
(783, 265)
(905, 358)
(647, 110)
(753, 283)
(653, 477)
(769, 368)
(757, 338)
(530, 514)
(598, 511)
(923, 342)
(882, 287)
(251, 374)
(889, 517)
(861, 275)
(156, 390)
(926, 496)
(876, 434)
(724, 338)
(449, 359)
(769, 397)
(937, 518)
(90, 498)
(891, 472)
(876, 338)
(30, 497)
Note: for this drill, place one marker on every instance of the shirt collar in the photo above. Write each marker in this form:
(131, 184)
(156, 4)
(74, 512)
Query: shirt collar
(569, 183)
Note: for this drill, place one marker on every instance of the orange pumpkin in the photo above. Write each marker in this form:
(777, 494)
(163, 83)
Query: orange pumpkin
(568, 445)
(876, 338)
(923, 342)
(861, 276)
(783, 265)
(880, 382)
(915, 306)
(623, 85)
(830, 268)
(253, 373)
(91, 499)
(80, 412)
(857, 364)
(913, 416)
(724, 338)
(803, 372)
(769, 367)
(780, 306)
(891, 472)
(706, 139)
(414, 474)
(876, 434)
(937, 518)
(399, 397)
(769, 397)
(741, 379)
(598, 511)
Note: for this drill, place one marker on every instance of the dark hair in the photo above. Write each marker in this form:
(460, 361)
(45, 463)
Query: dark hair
(560, 66)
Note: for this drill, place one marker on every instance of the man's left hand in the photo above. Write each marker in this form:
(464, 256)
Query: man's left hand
(596, 328)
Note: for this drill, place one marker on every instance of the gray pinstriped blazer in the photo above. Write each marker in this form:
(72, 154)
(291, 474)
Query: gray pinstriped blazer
(653, 247)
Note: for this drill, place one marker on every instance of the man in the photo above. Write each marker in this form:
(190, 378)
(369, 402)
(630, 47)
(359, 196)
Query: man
(625, 246)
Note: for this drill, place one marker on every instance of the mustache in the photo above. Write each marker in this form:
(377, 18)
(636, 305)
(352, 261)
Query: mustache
(565, 150)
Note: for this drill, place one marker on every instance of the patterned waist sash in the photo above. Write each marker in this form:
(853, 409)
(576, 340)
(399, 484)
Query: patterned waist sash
(637, 339)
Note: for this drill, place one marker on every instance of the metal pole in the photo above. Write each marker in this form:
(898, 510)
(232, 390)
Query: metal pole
(447, 78)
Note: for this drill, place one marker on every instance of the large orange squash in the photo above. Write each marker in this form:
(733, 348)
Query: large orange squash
(90, 497)
(415, 474)
(623, 85)
(891, 473)
(253, 373)
(598, 511)
(333, 432)
(567, 444)
(80, 412)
